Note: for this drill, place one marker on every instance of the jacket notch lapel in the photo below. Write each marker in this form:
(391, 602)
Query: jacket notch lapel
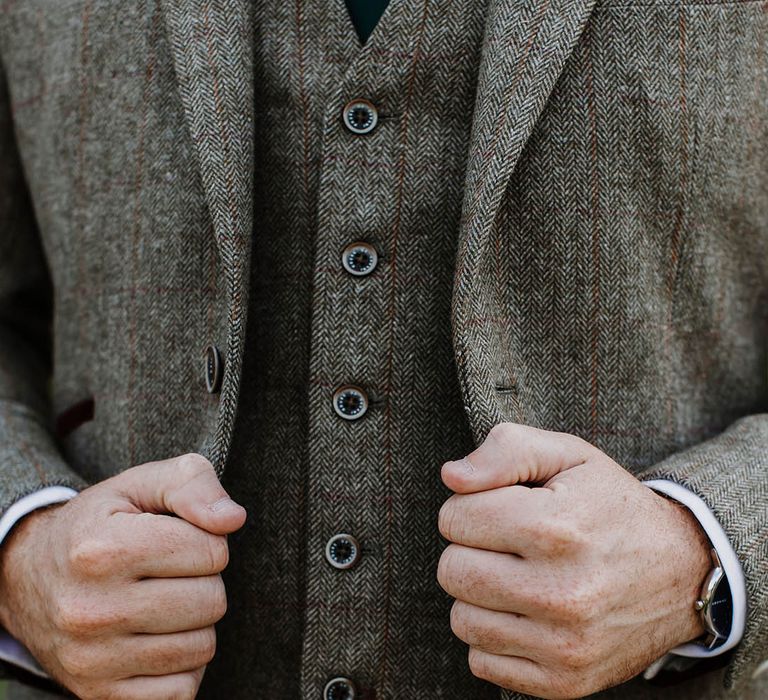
(526, 45)
(212, 47)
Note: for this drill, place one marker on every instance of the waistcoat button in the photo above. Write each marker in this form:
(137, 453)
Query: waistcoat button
(359, 258)
(342, 551)
(360, 116)
(350, 402)
(214, 369)
(339, 689)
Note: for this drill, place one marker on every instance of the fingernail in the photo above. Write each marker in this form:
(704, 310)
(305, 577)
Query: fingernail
(223, 504)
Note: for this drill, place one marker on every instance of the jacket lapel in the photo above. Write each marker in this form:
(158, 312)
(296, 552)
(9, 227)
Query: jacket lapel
(526, 45)
(212, 46)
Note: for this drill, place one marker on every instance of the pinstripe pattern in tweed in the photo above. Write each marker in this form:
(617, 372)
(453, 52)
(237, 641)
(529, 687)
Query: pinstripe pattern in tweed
(610, 279)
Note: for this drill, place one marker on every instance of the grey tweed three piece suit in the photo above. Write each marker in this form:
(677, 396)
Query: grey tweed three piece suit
(569, 203)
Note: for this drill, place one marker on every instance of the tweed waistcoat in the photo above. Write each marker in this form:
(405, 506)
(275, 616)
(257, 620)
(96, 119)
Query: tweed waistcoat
(304, 473)
(608, 217)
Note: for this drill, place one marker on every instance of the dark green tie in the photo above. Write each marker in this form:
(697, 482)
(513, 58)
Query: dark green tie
(365, 14)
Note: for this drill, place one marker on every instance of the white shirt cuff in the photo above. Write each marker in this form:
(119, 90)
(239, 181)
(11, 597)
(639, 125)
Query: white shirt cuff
(731, 566)
(11, 650)
(24, 506)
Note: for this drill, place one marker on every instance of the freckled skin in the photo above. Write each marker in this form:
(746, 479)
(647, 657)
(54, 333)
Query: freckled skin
(114, 598)
(570, 576)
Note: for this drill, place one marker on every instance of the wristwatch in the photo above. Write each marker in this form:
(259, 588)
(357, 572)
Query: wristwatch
(715, 606)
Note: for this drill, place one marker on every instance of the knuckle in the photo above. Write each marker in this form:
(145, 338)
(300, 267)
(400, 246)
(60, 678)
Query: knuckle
(76, 617)
(583, 448)
(576, 604)
(478, 663)
(469, 631)
(193, 464)
(458, 619)
(562, 537)
(572, 657)
(218, 598)
(92, 557)
(572, 604)
(505, 434)
(208, 645)
(218, 553)
(223, 561)
(187, 687)
(449, 568)
(447, 520)
(195, 649)
(580, 450)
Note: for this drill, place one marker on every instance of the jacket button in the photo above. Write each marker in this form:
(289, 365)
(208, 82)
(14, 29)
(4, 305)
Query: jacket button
(342, 551)
(214, 369)
(360, 116)
(350, 402)
(359, 258)
(339, 689)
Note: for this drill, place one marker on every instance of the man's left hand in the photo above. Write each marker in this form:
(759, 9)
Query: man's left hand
(569, 575)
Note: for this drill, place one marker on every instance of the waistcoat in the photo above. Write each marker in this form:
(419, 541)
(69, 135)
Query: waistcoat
(609, 281)
(306, 473)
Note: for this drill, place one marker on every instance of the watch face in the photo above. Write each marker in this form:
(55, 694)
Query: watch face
(721, 609)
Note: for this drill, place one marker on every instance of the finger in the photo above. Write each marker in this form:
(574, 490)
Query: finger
(186, 486)
(149, 545)
(162, 654)
(177, 685)
(513, 673)
(503, 633)
(492, 580)
(148, 654)
(163, 606)
(507, 519)
(515, 454)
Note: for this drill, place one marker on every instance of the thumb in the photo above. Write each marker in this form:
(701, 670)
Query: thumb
(515, 454)
(186, 486)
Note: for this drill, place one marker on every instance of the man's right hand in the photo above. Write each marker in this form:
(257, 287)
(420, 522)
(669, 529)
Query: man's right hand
(113, 595)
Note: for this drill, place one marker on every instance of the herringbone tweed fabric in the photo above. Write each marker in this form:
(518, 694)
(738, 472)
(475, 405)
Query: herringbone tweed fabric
(305, 473)
(570, 199)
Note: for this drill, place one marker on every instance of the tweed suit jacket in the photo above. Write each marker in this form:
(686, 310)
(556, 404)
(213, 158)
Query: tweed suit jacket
(612, 269)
